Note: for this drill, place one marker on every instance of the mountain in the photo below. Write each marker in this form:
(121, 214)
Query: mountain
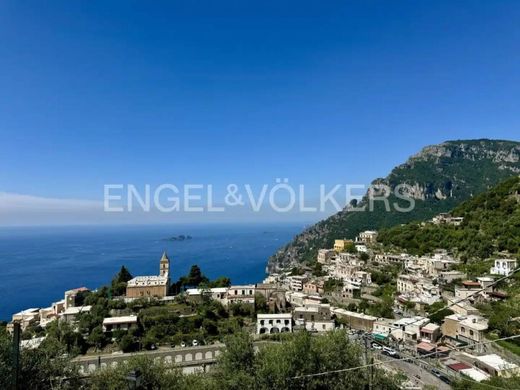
(491, 224)
(440, 177)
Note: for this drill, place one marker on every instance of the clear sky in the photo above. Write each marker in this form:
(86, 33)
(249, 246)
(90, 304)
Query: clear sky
(219, 92)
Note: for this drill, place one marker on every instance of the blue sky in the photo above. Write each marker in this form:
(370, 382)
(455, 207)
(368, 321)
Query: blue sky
(219, 92)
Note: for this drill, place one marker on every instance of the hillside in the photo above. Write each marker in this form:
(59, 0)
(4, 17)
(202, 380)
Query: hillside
(442, 176)
(491, 223)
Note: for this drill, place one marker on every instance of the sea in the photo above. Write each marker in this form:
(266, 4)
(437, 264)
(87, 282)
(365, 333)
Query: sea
(38, 264)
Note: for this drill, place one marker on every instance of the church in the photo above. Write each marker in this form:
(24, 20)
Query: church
(151, 286)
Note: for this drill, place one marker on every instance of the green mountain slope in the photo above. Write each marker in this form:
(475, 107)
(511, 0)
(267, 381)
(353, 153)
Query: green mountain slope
(442, 176)
(491, 223)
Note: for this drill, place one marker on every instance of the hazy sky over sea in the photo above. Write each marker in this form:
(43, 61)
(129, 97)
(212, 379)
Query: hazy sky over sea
(239, 92)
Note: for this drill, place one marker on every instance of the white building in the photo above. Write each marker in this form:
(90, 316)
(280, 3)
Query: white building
(273, 323)
(70, 315)
(503, 267)
(216, 293)
(119, 323)
(241, 294)
(297, 282)
(368, 236)
(494, 365)
(361, 248)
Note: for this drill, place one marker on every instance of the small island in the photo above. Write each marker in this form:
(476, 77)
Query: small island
(180, 237)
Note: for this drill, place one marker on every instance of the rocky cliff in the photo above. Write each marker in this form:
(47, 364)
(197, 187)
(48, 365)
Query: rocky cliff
(439, 178)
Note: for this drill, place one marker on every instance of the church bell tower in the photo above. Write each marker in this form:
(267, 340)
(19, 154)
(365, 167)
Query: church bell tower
(164, 265)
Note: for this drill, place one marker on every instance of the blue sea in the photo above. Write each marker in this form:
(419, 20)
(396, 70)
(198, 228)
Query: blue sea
(39, 263)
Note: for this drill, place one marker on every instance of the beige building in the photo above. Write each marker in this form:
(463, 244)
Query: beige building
(119, 323)
(241, 294)
(469, 329)
(151, 286)
(340, 245)
(368, 237)
(325, 255)
(355, 320)
(313, 287)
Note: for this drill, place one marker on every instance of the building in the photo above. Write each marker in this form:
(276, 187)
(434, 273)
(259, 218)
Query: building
(315, 318)
(503, 267)
(72, 297)
(391, 258)
(216, 293)
(383, 327)
(445, 277)
(462, 307)
(408, 329)
(119, 323)
(469, 329)
(274, 295)
(362, 248)
(353, 320)
(70, 315)
(325, 255)
(340, 245)
(467, 289)
(367, 237)
(439, 262)
(313, 287)
(494, 365)
(297, 282)
(430, 332)
(273, 323)
(26, 318)
(447, 218)
(151, 286)
(241, 294)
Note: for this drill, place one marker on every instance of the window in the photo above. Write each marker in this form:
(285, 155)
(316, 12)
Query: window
(471, 332)
(462, 329)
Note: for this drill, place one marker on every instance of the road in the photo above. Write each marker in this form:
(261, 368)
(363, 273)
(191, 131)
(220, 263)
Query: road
(415, 373)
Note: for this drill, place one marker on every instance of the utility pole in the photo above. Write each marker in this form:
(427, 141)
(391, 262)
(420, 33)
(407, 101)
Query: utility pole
(16, 354)
(368, 361)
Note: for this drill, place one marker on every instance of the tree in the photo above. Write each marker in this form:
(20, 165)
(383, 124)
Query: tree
(221, 281)
(119, 281)
(97, 338)
(46, 367)
(127, 343)
(236, 365)
(260, 303)
(195, 276)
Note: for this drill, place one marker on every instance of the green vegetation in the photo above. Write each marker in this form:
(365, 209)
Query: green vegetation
(495, 382)
(331, 285)
(119, 282)
(436, 312)
(275, 366)
(491, 224)
(47, 367)
(445, 174)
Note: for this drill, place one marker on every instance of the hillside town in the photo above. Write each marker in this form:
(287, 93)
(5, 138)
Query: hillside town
(421, 309)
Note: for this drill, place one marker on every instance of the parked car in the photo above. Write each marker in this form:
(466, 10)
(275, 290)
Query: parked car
(183, 344)
(390, 352)
(195, 343)
(441, 376)
(376, 346)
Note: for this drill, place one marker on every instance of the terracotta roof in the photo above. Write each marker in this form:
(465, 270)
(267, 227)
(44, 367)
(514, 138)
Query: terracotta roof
(471, 283)
(498, 294)
(459, 366)
(426, 346)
